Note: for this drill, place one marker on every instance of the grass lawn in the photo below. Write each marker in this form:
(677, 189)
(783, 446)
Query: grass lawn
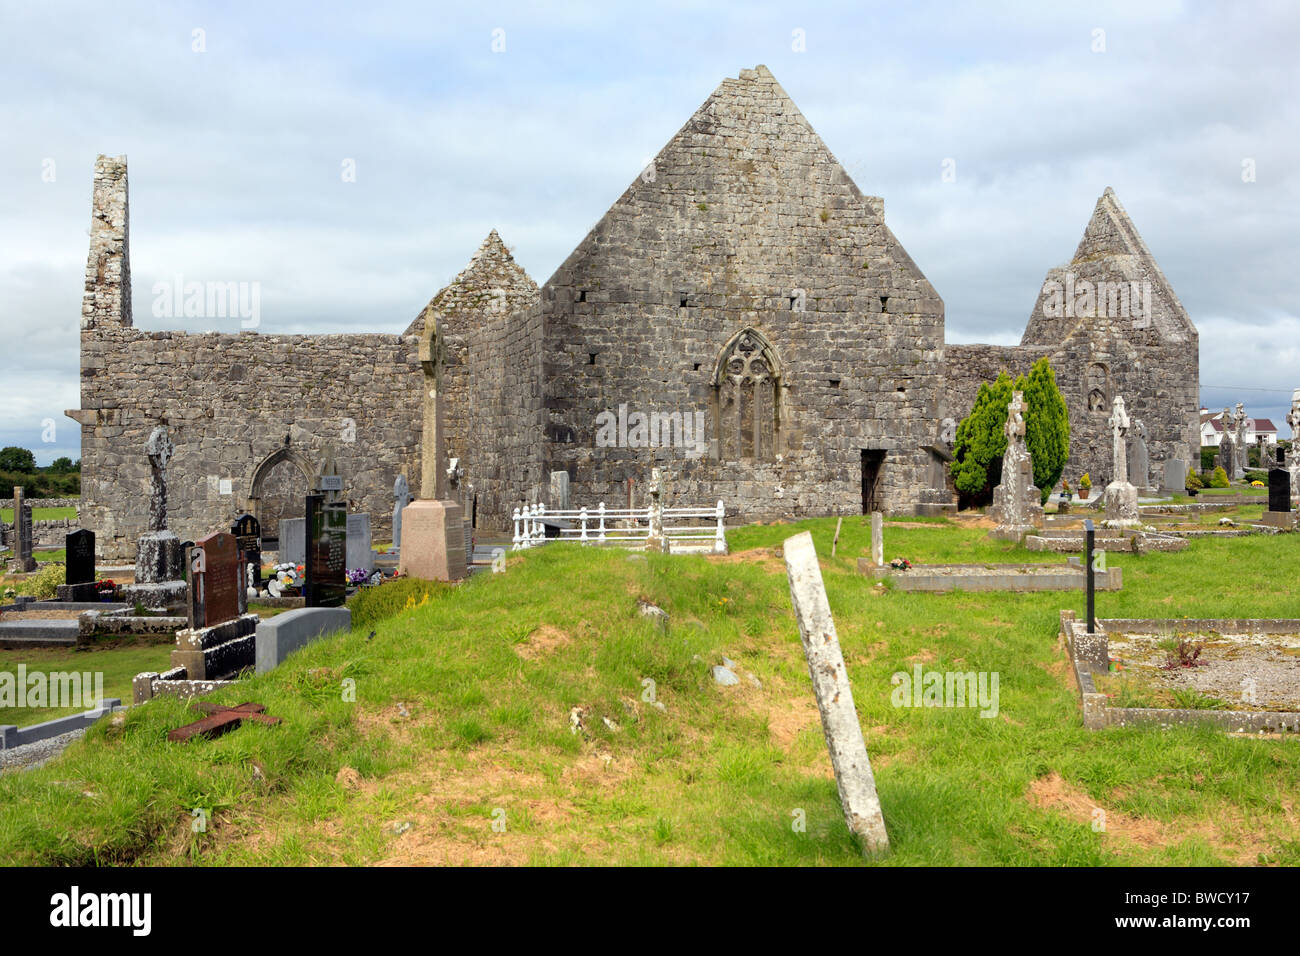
(118, 659)
(464, 706)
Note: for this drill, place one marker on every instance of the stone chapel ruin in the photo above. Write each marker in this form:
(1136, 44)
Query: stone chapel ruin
(742, 286)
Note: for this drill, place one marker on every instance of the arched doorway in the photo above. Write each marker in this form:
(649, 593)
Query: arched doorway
(278, 490)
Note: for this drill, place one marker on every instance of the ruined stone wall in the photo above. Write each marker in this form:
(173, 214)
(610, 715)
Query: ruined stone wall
(745, 221)
(229, 402)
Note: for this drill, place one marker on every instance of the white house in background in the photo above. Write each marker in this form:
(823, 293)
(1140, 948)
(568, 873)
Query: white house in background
(1212, 429)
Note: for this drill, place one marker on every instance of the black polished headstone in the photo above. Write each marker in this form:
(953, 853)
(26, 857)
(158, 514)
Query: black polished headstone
(248, 530)
(1279, 489)
(327, 547)
(80, 546)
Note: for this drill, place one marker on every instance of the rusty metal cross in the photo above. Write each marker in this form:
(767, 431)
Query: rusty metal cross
(220, 719)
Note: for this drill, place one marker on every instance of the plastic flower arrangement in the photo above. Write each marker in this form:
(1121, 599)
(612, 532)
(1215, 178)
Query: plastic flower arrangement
(901, 564)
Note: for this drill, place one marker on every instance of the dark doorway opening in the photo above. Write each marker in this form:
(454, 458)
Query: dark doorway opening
(872, 460)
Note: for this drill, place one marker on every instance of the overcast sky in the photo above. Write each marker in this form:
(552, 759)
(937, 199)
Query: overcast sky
(238, 134)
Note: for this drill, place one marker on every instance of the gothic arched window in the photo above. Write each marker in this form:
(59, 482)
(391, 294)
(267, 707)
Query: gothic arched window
(747, 398)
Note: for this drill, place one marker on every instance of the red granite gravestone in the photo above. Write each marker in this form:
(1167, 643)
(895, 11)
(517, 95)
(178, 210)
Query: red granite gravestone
(216, 580)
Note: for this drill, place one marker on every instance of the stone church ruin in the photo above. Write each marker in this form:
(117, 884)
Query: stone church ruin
(742, 281)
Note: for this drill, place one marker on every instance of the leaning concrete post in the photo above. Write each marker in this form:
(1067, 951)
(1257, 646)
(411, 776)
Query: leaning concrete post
(830, 681)
(877, 539)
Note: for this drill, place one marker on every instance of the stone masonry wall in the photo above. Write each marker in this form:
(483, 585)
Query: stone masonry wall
(745, 220)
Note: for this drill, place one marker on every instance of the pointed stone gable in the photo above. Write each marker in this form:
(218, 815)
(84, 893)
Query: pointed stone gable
(492, 284)
(1112, 252)
(746, 200)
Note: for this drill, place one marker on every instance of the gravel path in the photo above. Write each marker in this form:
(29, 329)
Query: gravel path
(31, 756)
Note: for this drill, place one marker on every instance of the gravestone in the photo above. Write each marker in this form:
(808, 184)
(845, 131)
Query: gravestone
(1279, 490)
(1139, 463)
(22, 561)
(160, 558)
(1175, 481)
(248, 534)
(433, 536)
(217, 581)
(1121, 497)
(360, 554)
(559, 491)
(1017, 502)
(878, 539)
(293, 541)
(401, 498)
(327, 545)
(79, 574)
(1279, 513)
(80, 548)
(830, 679)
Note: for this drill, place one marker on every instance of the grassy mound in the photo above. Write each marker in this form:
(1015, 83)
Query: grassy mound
(537, 717)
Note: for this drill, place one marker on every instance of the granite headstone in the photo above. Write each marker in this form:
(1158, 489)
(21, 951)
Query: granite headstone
(80, 547)
(216, 573)
(360, 554)
(327, 544)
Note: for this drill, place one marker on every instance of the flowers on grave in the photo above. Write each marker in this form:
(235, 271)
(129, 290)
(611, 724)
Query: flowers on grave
(10, 593)
(901, 564)
(358, 577)
(1114, 666)
(1085, 483)
(1257, 484)
(287, 575)
(104, 589)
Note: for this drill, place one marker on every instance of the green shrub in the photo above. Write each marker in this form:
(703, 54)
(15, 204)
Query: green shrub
(1207, 457)
(371, 605)
(42, 584)
(1257, 475)
(981, 439)
(1193, 481)
(1220, 479)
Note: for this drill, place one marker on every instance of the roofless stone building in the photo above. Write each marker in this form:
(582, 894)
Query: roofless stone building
(741, 315)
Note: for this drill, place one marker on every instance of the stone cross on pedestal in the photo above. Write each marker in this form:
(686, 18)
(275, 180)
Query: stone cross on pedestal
(433, 470)
(1118, 423)
(1121, 496)
(401, 498)
(1017, 503)
(159, 448)
(1139, 463)
(433, 537)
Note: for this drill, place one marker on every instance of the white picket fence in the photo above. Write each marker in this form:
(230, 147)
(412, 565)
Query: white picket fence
(624, 527)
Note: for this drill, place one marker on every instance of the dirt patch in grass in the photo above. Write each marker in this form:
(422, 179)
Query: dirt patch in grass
(542, 642)
(1230, 832)
(764, 557)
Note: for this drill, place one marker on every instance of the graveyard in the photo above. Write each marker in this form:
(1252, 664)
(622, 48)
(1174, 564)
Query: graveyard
(731, 543)
(543, 696)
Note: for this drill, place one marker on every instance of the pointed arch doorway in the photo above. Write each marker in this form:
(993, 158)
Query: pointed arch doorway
(278, 491)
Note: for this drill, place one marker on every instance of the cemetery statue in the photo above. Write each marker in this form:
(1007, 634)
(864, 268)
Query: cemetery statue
(1017, 502)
